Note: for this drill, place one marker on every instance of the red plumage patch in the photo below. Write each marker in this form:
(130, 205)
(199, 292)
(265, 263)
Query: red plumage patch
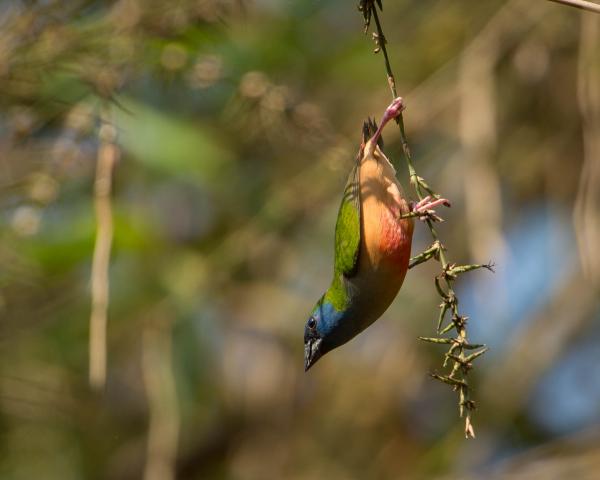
(396, 238)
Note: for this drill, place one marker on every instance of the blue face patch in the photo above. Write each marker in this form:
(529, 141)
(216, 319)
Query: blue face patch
(334, 327)
(327, 318)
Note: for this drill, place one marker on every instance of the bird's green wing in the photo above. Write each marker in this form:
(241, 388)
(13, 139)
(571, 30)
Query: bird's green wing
(347, 227)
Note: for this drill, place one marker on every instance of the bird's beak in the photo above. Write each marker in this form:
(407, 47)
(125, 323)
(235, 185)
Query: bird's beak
(312, 352)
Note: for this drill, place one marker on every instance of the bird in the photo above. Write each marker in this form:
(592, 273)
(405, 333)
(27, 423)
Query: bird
(373, 236)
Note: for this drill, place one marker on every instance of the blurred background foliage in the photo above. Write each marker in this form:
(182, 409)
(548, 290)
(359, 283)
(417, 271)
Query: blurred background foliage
(236, 123)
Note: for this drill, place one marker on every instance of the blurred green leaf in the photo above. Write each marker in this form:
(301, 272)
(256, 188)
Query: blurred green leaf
(170, 145)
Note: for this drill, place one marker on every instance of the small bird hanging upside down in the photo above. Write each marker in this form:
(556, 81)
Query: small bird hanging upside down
(373, 236)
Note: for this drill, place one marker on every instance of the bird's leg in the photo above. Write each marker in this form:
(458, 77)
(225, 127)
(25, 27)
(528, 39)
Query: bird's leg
(394, 109)
(428, 204)
(424, 209)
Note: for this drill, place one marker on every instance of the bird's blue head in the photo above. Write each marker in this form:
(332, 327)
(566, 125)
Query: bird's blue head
(324, 331)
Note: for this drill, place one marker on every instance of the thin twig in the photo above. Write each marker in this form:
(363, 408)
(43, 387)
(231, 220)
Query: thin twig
(461, 363)
(163, 431)
(581, 4)
(108, 153)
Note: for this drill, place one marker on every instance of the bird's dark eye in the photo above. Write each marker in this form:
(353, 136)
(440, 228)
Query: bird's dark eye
(312, 323)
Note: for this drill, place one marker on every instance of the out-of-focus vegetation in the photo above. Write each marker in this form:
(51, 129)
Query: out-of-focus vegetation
(236, 124)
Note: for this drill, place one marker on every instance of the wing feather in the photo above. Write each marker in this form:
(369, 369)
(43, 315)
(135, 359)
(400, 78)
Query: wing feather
(347, 227)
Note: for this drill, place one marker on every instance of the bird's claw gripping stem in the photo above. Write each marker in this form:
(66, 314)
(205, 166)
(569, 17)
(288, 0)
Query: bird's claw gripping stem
(392, 111)
(424, 209)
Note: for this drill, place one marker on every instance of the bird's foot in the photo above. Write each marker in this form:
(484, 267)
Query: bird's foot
(392, 111)
(424, 209)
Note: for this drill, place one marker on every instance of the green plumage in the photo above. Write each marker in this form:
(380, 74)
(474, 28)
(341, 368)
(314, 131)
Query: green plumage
(347, 227)
(347, 240)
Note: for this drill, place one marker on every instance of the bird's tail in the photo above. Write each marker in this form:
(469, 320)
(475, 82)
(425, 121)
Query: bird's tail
(369, 129)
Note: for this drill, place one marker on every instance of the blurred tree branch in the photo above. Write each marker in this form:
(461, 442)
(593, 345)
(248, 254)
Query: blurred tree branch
(163, 430)
(582, 4)
(477, 133)
(587, 203)
(108, 153)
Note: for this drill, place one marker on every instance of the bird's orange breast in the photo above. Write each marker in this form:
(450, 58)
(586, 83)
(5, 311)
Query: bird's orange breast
(387, 238)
